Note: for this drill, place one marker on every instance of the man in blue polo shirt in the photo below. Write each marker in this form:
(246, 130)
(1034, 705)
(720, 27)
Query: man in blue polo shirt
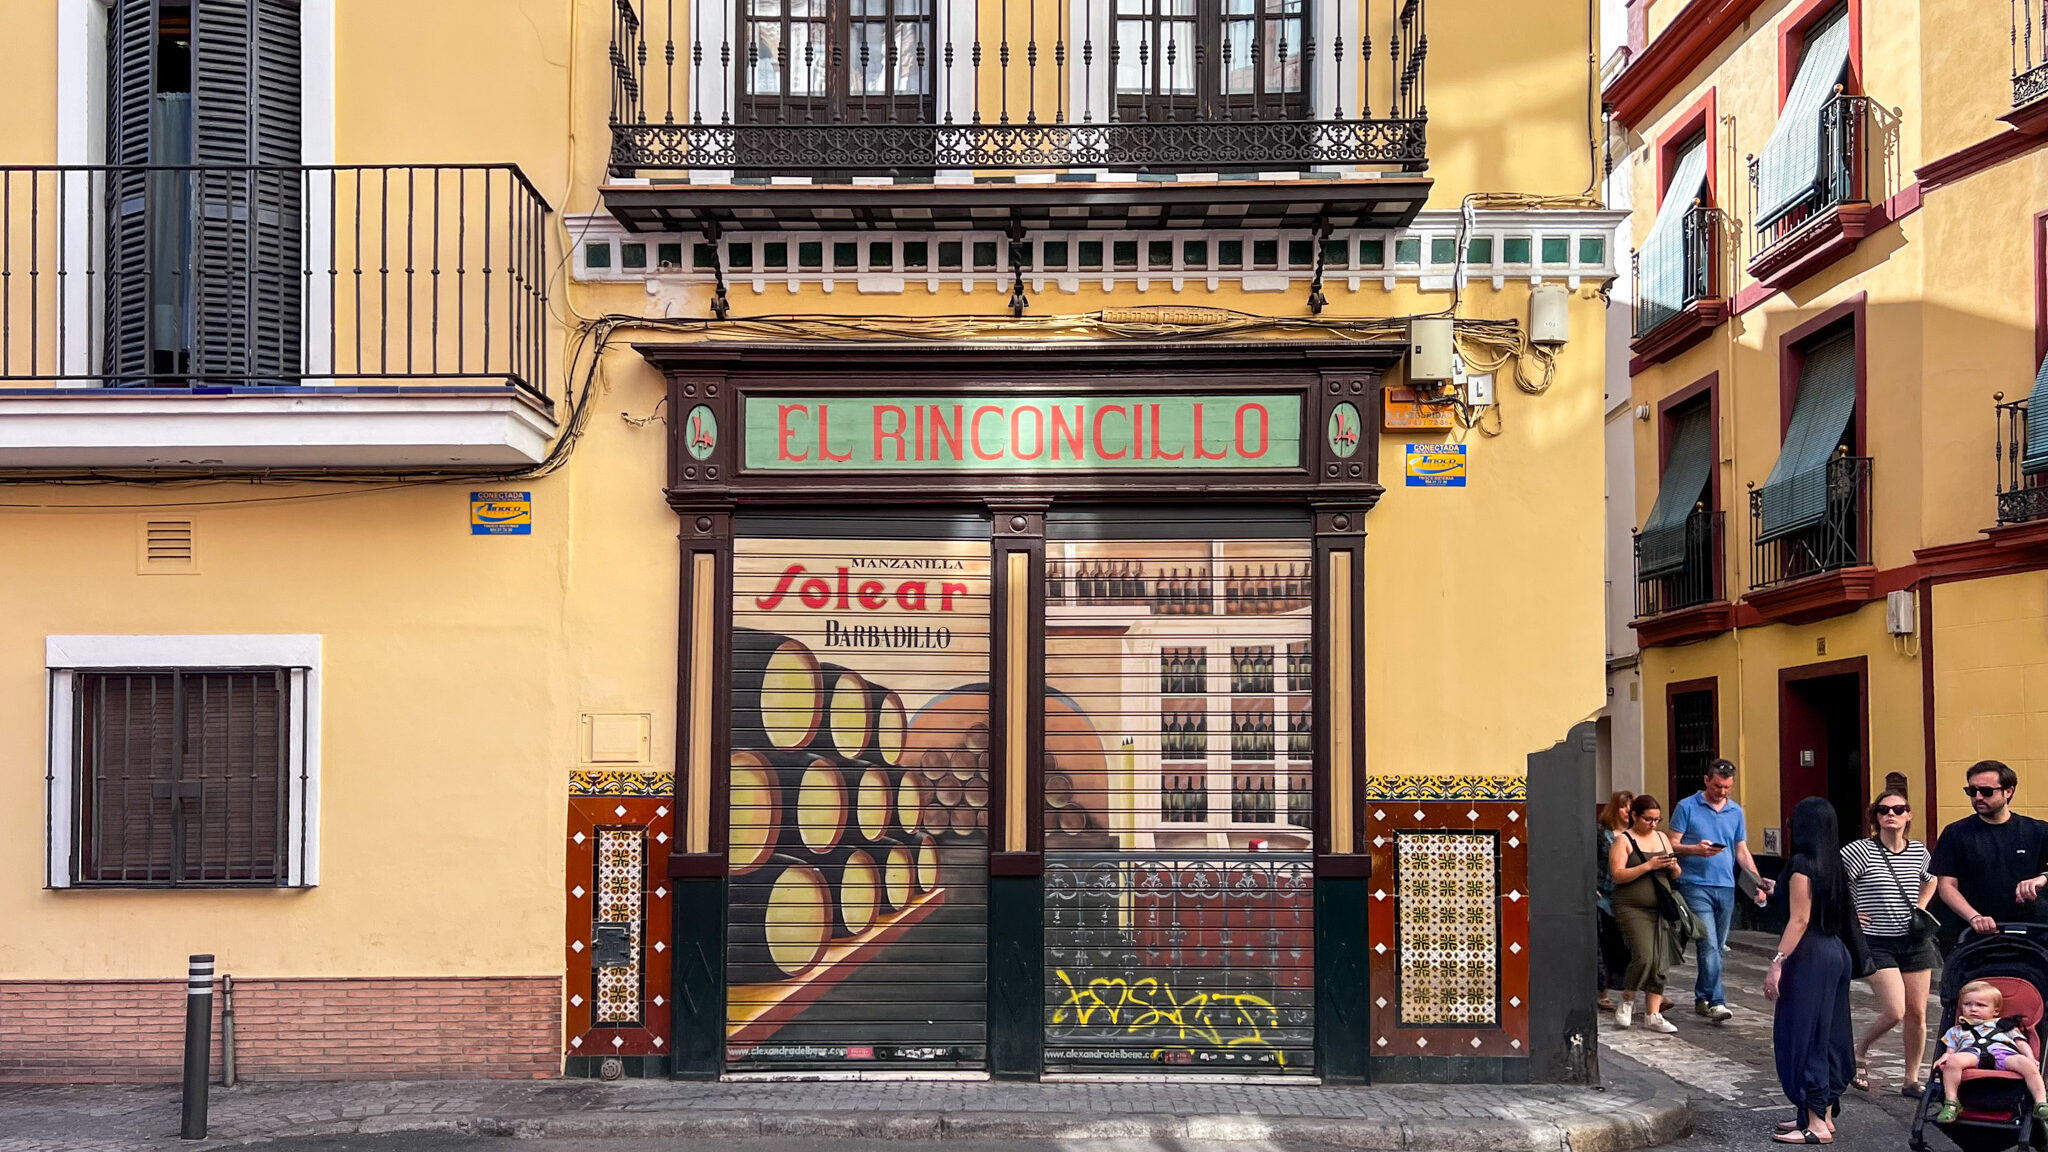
(1713, 839)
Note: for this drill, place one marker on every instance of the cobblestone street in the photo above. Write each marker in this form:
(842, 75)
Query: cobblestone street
(1727, 1068)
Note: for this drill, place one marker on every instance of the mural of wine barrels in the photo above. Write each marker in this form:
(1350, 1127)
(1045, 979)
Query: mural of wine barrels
(845, 718)
(1179, 929)
(780, 922)
(778, 692)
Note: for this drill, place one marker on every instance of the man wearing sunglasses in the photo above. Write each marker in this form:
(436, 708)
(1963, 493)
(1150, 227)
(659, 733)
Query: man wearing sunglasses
(1990, 866)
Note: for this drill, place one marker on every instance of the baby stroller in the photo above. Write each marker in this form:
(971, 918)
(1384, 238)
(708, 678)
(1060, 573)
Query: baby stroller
(1997, 1113)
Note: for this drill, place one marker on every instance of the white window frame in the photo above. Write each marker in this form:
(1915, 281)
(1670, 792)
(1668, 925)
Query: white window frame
(66, 656)
(81, 140)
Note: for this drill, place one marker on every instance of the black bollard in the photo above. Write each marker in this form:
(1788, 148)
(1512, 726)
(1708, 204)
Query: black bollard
(198, 1046)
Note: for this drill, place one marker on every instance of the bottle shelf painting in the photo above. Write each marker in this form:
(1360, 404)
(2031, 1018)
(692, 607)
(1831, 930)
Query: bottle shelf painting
(858, 790)
(1179, 917)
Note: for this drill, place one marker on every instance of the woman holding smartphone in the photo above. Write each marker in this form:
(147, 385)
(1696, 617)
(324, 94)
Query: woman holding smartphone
(1889, 878)
(1638, 854)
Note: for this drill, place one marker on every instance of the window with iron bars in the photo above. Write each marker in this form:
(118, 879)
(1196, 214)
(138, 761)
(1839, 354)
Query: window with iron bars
(182, 778)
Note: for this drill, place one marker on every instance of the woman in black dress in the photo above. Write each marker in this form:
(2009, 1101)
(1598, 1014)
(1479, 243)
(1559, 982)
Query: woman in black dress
(1809, 977)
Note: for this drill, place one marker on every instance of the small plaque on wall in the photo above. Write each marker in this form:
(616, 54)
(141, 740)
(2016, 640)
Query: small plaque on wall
(611, 946)
(1406, 409)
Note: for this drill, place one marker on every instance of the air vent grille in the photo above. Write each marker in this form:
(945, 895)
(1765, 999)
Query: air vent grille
(166, 546)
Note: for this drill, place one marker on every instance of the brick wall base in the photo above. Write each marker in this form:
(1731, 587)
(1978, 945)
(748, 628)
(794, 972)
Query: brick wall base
(367, 1028)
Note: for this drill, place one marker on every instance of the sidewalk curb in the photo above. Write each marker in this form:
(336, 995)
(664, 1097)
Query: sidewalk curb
(1641, 1125)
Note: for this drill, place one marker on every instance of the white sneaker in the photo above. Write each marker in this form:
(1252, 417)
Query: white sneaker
(1656, 1022)
(1720, 1013)
(1624, 1014)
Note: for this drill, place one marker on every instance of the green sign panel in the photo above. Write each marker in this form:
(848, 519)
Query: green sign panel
(1035, 434)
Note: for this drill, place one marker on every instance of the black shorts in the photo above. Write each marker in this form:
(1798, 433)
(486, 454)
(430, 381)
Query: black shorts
(1902, 952)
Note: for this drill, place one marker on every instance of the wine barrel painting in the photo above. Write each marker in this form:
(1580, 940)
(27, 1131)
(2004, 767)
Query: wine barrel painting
(778, 691)
(859, 684)
(1177, 799)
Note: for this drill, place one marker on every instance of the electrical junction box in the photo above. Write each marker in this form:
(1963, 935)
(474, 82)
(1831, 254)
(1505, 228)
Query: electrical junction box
(1901, 613)
(1431, 352)
(1479, 390)
(1404, 409)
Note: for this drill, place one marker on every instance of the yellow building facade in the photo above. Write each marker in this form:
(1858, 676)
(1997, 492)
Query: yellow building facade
(1030, 392)
(1837, 331)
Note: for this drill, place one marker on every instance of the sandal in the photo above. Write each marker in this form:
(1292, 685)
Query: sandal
(1801, 1136)
(1862, 1081)
(1949, 1111)
(1913, 1089)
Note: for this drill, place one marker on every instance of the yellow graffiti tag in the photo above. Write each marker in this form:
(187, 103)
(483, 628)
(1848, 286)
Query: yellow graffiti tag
(1137, 1007)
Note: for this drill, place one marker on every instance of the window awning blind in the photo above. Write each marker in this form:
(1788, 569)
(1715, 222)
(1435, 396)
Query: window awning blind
(1789, 168)
(1664, 272)
(1796, 495)
(2035, 459)
(1685, 478)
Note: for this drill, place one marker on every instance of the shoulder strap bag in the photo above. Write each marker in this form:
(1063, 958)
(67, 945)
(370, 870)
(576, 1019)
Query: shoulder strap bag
(1924, 925)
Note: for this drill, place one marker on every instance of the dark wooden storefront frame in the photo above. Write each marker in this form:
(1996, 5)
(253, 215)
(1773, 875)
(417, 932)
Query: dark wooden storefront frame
(707, 494)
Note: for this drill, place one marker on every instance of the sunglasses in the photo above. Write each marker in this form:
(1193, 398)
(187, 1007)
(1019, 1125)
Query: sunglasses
(1892, 810)
(1981, 791)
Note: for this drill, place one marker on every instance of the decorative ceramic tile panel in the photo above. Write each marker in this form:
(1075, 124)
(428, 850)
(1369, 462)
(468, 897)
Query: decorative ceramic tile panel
(621, 782)
(1447, 915)
(1447, 930)
(620, 829)
(621, 862)
(1384, 788)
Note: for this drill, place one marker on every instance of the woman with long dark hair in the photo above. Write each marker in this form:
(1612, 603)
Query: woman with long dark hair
(1809, 977)
(1636, 859)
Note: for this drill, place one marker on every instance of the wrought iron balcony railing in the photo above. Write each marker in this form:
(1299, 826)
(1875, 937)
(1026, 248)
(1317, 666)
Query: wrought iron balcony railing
(217, 276)
(1844, 150)
(1697, 583)
(2022, 498)
(845, 87)
(1840, 540)
(2029, 50)
(1697, 278)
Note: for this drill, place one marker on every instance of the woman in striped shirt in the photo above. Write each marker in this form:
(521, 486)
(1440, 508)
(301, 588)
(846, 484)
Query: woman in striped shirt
(1888, 874)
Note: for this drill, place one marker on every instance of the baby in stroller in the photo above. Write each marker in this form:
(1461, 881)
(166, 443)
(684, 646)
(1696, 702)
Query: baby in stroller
(1983, 1039)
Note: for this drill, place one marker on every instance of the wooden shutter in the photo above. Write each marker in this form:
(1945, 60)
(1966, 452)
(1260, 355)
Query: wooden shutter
(245, 94)
(131, 84)
(126, 756)
(234, 753)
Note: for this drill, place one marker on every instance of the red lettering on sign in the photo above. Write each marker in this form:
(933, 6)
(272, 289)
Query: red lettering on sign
(1247, 453)
(1155, 439)
(895, 433)
(917, 433)
(910, 594)
(844, 604)
(946, 594)
(783, 432)
(952, 434)
(1138, 431)
(825, 451)
(974, 437)
(816, 593)
(1037, 433)
(871, 595)
(1071, 432)
(1096, 433)
(1201, 446)
(789, 575)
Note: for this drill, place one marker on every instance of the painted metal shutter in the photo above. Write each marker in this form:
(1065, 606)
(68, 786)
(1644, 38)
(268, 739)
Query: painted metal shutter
(1179, 802)
(1789, 167)
(1796, 495)
(2035, 459)
(131, 85)
(247, 258)
(1664, 272)
(857, 919)
(1685, 478)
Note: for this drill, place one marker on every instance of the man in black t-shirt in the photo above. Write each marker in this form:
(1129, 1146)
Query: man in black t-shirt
(1992, 866)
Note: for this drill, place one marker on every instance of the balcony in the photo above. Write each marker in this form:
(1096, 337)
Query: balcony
(980, 113)
(236, 317)
(2022, 498)
(2029, 51)
(1823, 569)
(1688, 603)
(1691, 301)
(1836, 217)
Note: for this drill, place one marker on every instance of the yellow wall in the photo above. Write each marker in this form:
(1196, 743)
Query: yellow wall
(456, 667)
(1991, 684)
